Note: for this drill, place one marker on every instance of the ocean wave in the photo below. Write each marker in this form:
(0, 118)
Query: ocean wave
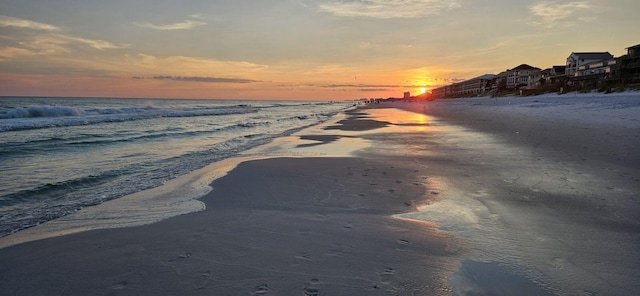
(29, 207)
(54, 191)
(122, 145)
(43, 111)
(36, 117)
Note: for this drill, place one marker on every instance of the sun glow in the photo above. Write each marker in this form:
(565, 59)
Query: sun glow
(423, 90)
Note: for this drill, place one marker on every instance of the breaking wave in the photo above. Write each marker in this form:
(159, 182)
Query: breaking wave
(43, 111)
(35, 117)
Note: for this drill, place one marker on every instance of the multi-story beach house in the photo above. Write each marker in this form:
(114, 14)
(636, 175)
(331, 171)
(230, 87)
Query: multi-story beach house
(519, 76)
(600, 68)
(439, 92)
(471, 87)
(547, 76)
(474, 86)
(585, 69)
(627, 68)
(579, 59)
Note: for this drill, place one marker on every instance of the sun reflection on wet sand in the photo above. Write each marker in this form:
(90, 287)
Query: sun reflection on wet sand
(516, 205)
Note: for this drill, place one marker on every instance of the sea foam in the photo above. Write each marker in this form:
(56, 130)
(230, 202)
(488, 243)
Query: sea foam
(43, 111)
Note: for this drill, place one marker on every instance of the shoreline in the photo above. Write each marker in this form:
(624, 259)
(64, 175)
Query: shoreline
(177, 196)
(412, 203)
(309, 224)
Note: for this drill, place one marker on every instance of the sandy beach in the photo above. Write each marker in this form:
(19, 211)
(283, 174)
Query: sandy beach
(439, 198)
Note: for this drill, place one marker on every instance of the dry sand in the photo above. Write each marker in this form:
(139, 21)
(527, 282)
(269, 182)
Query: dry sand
(458, 205)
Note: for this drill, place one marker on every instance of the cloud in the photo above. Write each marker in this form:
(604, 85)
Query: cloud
(387, 9)
(197, 16)
(185, 25)
(374, 89)
(44, 40)
(97, 44)
(200, 79)
(52, 44)
(7, 21)
(46, 45)
(9, 53)
(553, 13)
(357, 86)
(190, 66)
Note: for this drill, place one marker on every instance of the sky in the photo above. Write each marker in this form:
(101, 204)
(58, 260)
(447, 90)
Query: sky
(291, 49)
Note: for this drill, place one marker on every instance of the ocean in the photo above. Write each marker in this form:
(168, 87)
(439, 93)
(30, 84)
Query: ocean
(58, 155)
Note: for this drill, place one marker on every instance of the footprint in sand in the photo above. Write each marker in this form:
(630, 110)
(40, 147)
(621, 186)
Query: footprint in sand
(181, 257)
(403, 242)
(304, 256)
(120, 286)
(387, 274)
(310, 289)
(262, 289)
(335, 253)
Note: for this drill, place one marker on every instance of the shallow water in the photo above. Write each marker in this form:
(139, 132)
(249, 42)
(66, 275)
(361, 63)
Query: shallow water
(61, 154)
(489, 278)
(555, 219)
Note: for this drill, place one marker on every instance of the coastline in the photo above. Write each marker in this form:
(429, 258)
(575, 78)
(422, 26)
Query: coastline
(383, 201)
(175, 197)
(309, 224)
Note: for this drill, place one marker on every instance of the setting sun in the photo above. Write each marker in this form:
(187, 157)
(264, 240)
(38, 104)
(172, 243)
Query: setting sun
(423, 90)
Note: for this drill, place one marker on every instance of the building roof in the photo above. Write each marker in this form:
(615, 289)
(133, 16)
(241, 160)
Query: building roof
(593, 55)
(485, 76)
(633, 47)
(525, 67)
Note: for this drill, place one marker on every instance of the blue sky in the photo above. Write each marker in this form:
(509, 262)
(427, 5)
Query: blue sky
(285, 49)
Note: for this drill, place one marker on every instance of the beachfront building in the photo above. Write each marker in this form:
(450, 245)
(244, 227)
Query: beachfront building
(439, 92)
(519, 76)
(579, 59)
(584, 70)
(627, 69)
(475, 86)
(600, 68)
(633, 50)
(549, 76)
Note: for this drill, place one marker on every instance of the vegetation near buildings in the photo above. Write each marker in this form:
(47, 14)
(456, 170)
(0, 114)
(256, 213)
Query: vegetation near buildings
(583, 71)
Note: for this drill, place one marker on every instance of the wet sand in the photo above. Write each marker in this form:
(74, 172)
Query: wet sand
(455, 204)
(283, 226)
(552, 198)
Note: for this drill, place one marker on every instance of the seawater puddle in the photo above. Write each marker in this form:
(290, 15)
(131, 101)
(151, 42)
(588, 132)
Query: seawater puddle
(342, 143)
(514, 204)
(491, 278)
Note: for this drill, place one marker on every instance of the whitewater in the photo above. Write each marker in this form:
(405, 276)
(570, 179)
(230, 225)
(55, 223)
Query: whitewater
(59, 155)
